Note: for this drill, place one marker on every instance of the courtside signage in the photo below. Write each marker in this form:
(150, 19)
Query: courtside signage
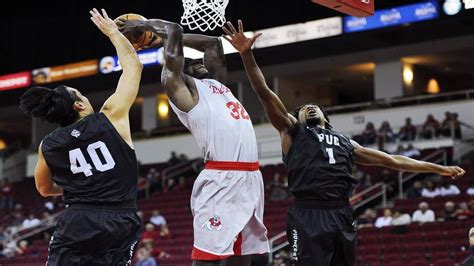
(70, 71)
(393, 16)
(148, 57)
(299, 32)
(15, 81)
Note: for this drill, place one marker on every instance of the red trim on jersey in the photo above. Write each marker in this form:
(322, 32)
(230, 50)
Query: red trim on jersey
(232, 166)
(198, 254)
(238, 245)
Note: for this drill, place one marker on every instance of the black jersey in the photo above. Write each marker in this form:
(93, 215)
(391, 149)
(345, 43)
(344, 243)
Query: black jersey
(319, 164)
(92, 162)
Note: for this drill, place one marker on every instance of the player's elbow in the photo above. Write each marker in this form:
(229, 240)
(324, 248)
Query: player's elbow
(174, 29)
(44, 192)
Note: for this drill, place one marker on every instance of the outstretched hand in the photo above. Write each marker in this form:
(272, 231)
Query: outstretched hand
(453, 171)
(103, 22)
(238, 39)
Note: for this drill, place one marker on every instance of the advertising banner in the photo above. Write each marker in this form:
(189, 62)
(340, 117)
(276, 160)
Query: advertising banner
(148, 57)
(393, 16)
(299, 32)
(15, 81)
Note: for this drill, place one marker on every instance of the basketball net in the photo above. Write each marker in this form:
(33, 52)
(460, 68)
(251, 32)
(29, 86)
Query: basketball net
(204, 14)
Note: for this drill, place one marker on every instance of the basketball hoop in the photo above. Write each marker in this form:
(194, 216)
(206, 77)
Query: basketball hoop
(204, 14)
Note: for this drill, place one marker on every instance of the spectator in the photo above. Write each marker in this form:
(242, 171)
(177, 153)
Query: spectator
(415, 191)
(281, 258)
(449, 212)
(170, 185)
(17, 215)
(144, 258)
(423, 214)
(411, 151)
(7, 191)
(30, 221)
(22, 248)
(369, 135)
(466, 211)
(446, 124)
(183, 157)
(154, 179)
(389, 179)
(49, 206)
(156, 252)
(10, 248)
(157, 219)
(430, 191)
(400, 149)
(448, 189)
(408, 131)
(470, 190)
(181, 183)
(278, 191)
(430, 128)
(164, 231)
(173, 159)
(400, 218)
(384, 220)
(456, 125)
(386, 132)
(150, 232)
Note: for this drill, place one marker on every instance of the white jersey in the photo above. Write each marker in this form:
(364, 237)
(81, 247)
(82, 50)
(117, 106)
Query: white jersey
(219, 123)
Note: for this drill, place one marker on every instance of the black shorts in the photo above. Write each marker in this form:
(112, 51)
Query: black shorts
(89, 235)
(321, 236)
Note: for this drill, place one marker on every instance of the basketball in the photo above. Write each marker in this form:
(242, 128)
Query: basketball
(139, 42)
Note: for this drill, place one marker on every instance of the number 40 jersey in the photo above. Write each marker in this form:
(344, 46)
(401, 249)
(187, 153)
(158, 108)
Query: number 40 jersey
(219, 123)
(91, 162)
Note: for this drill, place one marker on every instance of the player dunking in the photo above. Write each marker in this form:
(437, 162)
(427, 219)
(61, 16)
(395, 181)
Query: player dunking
(90, 160)
(319, 163)
(227, 198)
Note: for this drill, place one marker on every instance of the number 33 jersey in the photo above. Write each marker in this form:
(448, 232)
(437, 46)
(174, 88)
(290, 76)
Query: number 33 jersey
(219, 123)
(92, 162)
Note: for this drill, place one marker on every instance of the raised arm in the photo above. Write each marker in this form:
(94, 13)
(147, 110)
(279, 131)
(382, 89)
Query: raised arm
(172, 76)
(274, 108)
(119, 103)
(214, 58)
(368, 156)
(117, 106)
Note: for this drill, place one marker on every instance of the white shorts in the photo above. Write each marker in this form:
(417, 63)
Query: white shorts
(227, 206)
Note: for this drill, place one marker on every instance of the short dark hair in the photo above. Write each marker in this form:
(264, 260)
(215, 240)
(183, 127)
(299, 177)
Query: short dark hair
(327, 125)
(52, 105)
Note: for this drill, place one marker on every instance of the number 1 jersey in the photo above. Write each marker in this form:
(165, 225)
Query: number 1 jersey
(91, 162)
(319, 164)
(219, 123)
